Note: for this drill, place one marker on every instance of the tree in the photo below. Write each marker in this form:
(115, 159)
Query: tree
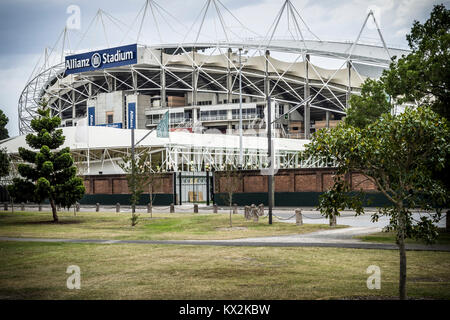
(398, 153)
(369, 106)
(3, 122)
(231, 177)
(145, 175)
(4, 163)
(424, 75)
(47, 173)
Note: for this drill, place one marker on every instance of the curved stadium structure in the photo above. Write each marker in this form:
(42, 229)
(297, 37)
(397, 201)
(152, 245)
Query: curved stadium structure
(207, 87)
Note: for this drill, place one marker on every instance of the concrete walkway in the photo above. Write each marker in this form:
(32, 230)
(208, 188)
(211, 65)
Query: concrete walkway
(337, 238)
(316, 239)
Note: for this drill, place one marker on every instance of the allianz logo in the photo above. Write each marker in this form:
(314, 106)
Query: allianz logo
(97, 60)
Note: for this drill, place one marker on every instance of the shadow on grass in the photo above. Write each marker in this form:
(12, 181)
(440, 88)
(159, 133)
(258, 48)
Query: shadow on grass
(18, 223)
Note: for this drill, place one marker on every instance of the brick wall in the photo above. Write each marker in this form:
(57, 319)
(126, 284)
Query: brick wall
(118, 184)
(294, 180)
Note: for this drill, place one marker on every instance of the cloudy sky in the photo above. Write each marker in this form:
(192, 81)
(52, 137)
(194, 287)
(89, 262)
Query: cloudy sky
(29, 26)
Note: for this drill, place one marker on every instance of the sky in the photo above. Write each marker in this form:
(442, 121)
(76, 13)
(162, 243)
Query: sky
(27, 27)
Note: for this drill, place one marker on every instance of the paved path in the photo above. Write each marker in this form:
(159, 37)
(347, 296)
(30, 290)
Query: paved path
(254, 242)
(338, 238)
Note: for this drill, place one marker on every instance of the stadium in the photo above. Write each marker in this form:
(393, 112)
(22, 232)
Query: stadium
(219, 95)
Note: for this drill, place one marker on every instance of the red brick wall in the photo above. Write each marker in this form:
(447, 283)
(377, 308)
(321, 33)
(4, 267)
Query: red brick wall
(118, 184)
(293, 180)
(255, 183)
(284, 183)
(305, 182)
(102, 186)
(359, 182)
(327, 181)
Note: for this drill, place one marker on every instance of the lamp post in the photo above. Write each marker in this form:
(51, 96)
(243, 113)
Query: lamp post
(241, 156)
(271, 159)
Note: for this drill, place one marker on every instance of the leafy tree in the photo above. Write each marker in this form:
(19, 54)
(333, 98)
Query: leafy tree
(4, 163)
(47, 173)
(369, 106)
(424, 74)
(3, 122)
(399, 154)
(146, 174)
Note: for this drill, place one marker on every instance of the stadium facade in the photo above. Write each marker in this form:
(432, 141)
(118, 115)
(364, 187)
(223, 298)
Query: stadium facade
(208, 88)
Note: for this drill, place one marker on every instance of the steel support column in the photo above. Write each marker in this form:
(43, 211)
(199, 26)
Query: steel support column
(306, 114)
(163, 83)
(349, 85)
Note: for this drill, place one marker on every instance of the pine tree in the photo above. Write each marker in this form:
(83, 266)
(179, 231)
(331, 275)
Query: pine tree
(47, 173)
(3, 122)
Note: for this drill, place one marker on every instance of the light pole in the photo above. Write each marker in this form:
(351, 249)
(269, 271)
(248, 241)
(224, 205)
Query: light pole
(271, 159)
(241, 156)
(133, 208)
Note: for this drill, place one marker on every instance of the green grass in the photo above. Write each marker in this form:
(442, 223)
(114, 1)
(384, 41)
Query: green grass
(389, 237)
(137, 271)
(161, 227)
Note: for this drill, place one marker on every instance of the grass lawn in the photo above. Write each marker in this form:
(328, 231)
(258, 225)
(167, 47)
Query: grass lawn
(389, 237)
(95, 225)
(138, 271)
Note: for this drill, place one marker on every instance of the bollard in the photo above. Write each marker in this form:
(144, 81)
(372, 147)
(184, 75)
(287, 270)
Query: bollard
(77, 205)
(149, 208)
(247, 212)
(298, 217)
(172, 208)
(254, 213)
(117, 207)
(333, 221)
(39, 207)
(22, 206)
(97, 207)
(215, 208)
(195, 208)
(261, 209)
(5, 206)
(235, 209)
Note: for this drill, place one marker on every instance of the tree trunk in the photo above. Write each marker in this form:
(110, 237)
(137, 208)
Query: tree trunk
(447, 221)
(231, 204)
(402, 251)
(150, 189)
(55, 216)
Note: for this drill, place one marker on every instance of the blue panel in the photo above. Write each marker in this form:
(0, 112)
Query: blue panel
(112, 125)
(91, 115)
(132, 115)
(101, 59)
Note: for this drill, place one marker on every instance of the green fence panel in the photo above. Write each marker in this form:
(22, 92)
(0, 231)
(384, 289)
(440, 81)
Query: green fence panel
(292, 199)
(160, 199)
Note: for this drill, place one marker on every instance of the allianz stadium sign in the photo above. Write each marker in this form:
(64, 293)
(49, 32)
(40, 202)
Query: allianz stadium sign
(101, 59)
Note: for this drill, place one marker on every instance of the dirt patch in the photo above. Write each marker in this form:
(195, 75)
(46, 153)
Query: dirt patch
(232, 229)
